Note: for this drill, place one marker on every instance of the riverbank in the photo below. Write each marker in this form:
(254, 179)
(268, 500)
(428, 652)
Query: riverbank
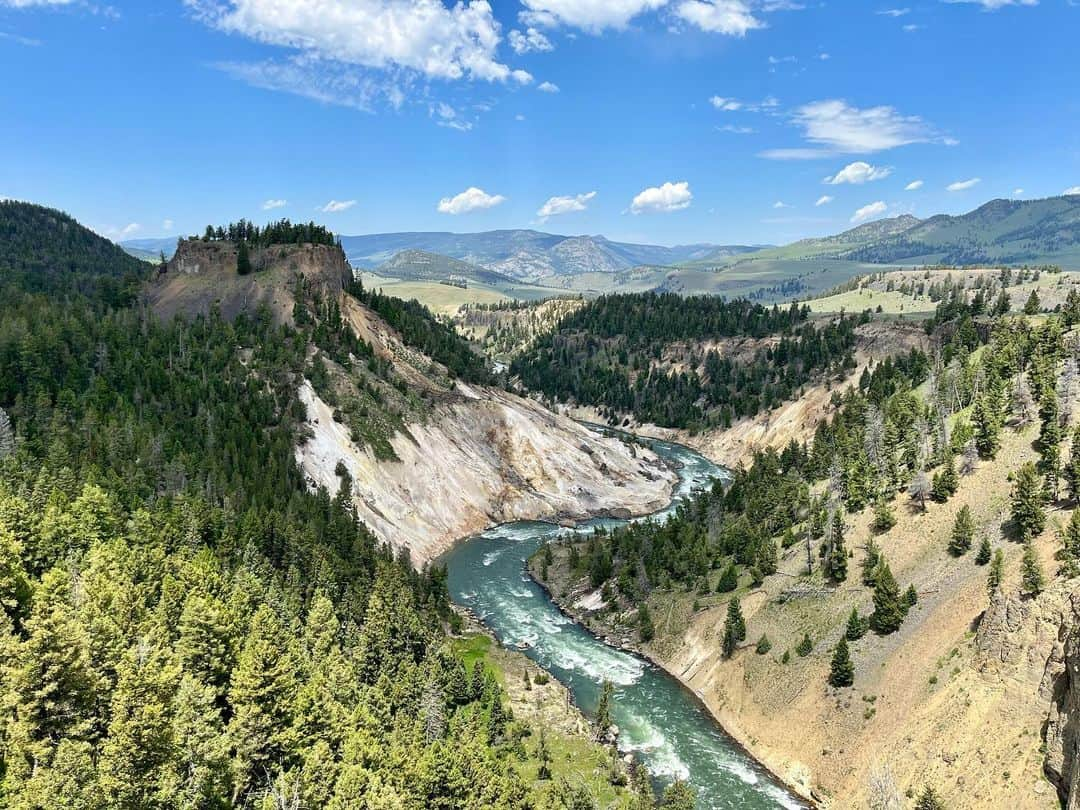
(572, 608)
(932, 704)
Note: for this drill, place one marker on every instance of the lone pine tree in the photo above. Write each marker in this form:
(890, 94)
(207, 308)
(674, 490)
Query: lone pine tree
(963, 532)
(841, 670)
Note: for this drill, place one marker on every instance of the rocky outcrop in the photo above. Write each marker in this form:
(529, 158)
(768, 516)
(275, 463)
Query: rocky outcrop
(1037, 642)
(203, 274)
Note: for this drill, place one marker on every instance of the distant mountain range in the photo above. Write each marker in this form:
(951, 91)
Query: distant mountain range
(1043, 231)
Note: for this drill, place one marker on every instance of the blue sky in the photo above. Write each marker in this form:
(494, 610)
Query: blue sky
(669, 121)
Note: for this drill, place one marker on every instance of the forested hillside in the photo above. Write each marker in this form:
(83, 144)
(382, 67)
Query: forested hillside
(660, 357)
(182, 622)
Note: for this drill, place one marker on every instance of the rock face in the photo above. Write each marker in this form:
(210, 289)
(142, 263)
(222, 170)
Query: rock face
(203, 274)
(481, 458)
(1037, 642)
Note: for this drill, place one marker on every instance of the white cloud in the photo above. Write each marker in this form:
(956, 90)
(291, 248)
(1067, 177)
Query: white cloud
(963, 185)
(1069, 192)
(564, 205)
(663, 199)
(270, 205)
(994, 5)
(519, 117)
(547, 87)
(895, 12)
(447, 116)
(729, 17)
(471, 199)
(337, 206)
(835, 127)
(780, 204)
(590, 15)
(824, 199)
(914, 185)
(35, 3)
(113, 232)
(424, 37)
(167, 225)
(842, 128)
(532, 39)
(727, 104)
(737, 130)
(858, 173)
(28, 42)
(911, 28)
(874, 209)
(1017, 192)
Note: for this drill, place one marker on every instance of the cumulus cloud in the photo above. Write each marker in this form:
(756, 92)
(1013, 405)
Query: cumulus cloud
(729, 17)
(167, 225)
(531, 39)
(663, 199)
(564, 205)
(824, 199)
(858, 173)
(471, 199)
(270, 205)
(963, 185)
(337, 206)
(425, 37)
(116, 234)
(590, 15)
(780, 204)
(874, 209)
(914, 185)
(1069, 192)
(835, 127)
(548, 87)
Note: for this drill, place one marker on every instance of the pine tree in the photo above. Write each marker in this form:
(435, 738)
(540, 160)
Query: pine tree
(1050, 440)
(870, 563)
(734, 627)
(262, 691)
(603, 719)
(678, 796)
(1027, 510)
(929, 799)
(987, 424)
(997, 571)
(763, 645)
(911, 598)
(856, 626)
(140, 753)
(543, 756)
(1072, 469)
(841, 670)
(888, 612)
(884, 517)
(1070, 546)
(963, 532)
(982, 556)
(946, 482)
(729, 579)
(837, 561)
(243, 260)
(1032, 578)
(1032, 306)
(805, 647)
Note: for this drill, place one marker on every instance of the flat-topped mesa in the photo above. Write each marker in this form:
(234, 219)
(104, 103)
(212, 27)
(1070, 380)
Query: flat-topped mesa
(203, 273)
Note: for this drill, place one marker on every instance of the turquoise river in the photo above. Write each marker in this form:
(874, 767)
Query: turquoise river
(659, 720)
